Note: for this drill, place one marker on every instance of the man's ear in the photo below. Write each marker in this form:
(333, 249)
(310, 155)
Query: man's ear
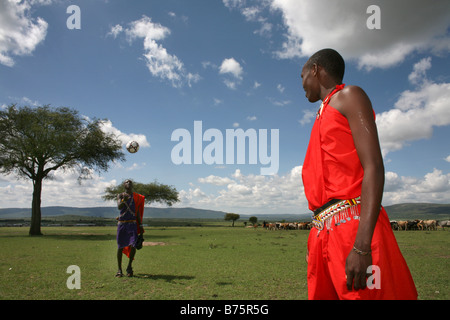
(314, 69)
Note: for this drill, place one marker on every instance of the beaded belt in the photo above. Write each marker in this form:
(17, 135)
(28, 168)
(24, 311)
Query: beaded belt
(330, 209)
(126, 221)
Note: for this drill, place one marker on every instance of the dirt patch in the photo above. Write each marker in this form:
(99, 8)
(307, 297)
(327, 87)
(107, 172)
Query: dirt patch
(146, 243)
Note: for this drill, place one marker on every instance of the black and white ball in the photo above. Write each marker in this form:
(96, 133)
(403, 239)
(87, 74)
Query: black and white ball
(132, 146)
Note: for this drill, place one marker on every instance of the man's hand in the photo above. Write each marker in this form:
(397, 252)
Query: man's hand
(356, 270)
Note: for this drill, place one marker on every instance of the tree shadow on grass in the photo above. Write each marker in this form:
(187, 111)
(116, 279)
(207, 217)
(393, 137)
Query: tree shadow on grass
(166, 277)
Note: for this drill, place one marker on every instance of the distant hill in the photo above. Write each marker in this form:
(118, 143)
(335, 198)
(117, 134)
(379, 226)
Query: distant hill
(411, 211)
(406, 211)
(112, 212)
(150, 212)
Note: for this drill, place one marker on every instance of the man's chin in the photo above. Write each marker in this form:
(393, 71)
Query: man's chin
(311, 99)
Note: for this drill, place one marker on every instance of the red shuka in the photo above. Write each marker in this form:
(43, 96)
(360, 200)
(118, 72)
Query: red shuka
(332, 170)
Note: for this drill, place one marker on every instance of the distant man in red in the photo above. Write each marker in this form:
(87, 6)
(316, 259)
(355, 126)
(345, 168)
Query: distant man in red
(129, 225)
(352, 251)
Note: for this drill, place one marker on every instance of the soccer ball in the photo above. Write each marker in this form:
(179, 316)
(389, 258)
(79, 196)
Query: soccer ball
(132, 146)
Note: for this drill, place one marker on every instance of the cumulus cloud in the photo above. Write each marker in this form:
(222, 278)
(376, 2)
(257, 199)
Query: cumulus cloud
(108, 127)
(418, 75)
(20, 33)
(406, 26)
(232, 67)
(416, 113)
(433, 187)
(160, 63)
(250, 193)
(256, 194)
(87, 193)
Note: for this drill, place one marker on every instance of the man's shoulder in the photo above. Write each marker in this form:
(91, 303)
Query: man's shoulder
(351, 98)
(352, 90)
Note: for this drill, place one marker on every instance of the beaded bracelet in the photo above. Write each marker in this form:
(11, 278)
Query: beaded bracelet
(362, 253)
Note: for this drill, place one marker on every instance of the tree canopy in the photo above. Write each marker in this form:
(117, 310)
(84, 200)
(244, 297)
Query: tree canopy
(36, 141)
(153, 192)
(231, 216)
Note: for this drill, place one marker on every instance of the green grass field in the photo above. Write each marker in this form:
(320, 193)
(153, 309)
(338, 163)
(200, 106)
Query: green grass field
(194, 263)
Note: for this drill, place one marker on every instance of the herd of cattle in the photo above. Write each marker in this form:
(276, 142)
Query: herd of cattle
(419, 224)
(287, 226)
(396, 225)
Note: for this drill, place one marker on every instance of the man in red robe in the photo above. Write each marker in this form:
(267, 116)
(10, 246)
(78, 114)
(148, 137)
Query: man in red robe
(352, 251)
(131, 206)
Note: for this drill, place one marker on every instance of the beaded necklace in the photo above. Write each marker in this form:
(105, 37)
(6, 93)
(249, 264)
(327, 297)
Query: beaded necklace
(325, 101)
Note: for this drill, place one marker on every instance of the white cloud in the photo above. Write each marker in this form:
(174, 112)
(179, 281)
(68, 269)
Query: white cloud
(160, 63)
(416, 113)
(136, 166)
(115, 30)
(418, 75)
(215, 180)
(279, 103)
(253, 13)
(256, 194)
(250, 194)
(406, 26)
(231, 66)
(63, 189)
(447, 158)
(108, 127)
(308, 115)
(230, 84)
(20, 33)
(433, 187)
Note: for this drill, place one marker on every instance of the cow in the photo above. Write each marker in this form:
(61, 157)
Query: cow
(420, 225)
(401, 225)
(293, 226)
(444, 224)
(272, 226)
(412, 225)
(429, 224)
(394, 225)
(303, 226)
(284, 226)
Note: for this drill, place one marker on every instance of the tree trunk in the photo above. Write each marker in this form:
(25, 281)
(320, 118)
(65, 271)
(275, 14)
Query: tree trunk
(35, 226)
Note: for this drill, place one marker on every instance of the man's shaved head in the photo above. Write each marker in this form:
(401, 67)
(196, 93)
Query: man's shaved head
(331, 61)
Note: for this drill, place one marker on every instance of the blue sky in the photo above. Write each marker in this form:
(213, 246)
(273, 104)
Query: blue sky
(152, 67)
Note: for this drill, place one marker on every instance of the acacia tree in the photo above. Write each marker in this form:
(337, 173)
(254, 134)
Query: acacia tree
(231, 216)
(34, 142)
(153, 192)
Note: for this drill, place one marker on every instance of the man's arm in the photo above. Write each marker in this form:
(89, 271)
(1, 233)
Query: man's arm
(355, 105)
